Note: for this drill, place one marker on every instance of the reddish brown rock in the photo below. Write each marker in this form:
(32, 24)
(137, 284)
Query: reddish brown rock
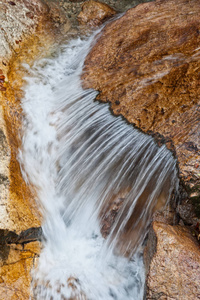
(146, 64)
(174, 271)
(95, 13)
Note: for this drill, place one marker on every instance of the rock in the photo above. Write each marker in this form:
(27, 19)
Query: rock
(25, 26)
(76, 1)
(58, 18)
(18, 20)
(108, 217)
(16, 262)
(174, 271)
(187, 212)
(29, 30)
(21, 19)
(30, 235)
(18, 255)
(95, 13)
(4, 173)
(7, 237)
(146, 64)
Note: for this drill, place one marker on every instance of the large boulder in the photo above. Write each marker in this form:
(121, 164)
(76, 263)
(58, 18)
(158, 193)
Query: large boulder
(174, 265)
(146, 64)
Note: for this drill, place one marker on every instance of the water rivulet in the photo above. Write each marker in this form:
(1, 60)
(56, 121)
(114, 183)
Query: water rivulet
(98, 181)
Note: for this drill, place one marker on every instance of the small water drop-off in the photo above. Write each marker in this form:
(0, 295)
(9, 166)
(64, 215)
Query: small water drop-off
(98, 181)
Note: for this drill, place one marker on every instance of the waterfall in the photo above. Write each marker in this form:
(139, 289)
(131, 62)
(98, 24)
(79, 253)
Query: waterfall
(98, 181)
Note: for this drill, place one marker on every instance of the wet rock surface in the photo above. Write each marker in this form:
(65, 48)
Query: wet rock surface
(20, 20)
(151, 52)
(146, 64)
(23, 23)
(28, 31)
(175, 264)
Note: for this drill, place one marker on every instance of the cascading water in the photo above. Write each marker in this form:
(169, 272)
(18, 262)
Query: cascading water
(82, 161)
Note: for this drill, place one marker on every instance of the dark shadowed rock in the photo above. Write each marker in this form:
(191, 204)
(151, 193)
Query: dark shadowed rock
(7, 237)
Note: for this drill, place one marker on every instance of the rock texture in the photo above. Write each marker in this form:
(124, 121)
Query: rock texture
(28, 31)
(174, 271)
(146, 64)
(15, 267)
(19, 21)
(95, 13)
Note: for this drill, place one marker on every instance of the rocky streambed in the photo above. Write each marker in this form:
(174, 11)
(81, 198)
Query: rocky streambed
(146, 65)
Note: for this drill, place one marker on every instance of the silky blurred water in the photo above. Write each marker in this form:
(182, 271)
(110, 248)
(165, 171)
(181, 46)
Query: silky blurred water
(81, 160)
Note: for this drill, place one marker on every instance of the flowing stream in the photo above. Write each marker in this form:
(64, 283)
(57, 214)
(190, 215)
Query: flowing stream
(98, 181)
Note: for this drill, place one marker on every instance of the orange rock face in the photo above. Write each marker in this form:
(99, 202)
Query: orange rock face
(146, 64)
(28, 32)
(174, 272)
(94, 13)
(37, 25)
(15, 279)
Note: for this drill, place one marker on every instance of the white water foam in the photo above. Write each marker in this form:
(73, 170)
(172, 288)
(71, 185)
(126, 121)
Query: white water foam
(77, 155)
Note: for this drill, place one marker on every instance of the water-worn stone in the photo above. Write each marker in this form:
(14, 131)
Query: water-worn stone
(174, 271)
(146, 64)
(19, 22)
(28, 31)
(95, 13)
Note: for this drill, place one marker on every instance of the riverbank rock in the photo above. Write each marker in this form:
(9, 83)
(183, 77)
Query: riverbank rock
(21, 19)
(25, 27)
(174, 271)
(29, 30)
(15, 268)
(95, 13)
(146, 64)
